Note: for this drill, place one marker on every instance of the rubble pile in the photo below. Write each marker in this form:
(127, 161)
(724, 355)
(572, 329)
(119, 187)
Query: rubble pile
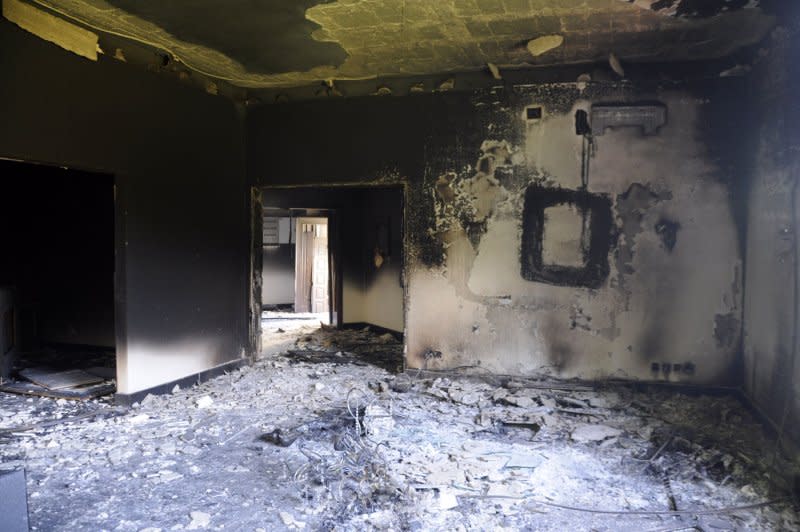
(294, 443)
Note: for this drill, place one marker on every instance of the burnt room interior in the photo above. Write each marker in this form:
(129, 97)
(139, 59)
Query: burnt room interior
(399, 265)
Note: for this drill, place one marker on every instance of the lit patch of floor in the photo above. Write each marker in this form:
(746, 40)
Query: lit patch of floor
(367, 449)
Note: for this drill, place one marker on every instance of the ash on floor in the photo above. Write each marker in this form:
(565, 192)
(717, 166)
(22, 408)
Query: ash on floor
(289, 444)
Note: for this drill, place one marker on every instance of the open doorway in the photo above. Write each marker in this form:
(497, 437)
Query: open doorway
(334, 249)
(311, 271)
(296, 278)
(57, 236)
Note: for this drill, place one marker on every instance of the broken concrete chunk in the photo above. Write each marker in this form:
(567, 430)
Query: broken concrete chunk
(499, 394)
(522, 401)
(447, 500)
(289, 520)
(199, 520)
(204, 402)
(587, 433)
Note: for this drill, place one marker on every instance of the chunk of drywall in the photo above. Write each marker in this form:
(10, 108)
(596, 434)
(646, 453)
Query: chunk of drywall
(51, 28)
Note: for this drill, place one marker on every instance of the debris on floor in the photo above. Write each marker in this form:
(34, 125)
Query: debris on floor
(349, 346)
(292, 444)
(64, 372)
(62, 384)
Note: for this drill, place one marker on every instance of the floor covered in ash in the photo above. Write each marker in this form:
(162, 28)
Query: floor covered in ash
(314, 436)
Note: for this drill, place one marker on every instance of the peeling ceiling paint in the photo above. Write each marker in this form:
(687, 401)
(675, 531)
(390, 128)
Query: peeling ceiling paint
(291, 43)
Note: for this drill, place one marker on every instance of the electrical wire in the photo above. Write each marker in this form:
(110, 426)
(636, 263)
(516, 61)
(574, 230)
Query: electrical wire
(140, 40)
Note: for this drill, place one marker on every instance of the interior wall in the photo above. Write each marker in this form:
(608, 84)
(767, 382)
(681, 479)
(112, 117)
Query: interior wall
(278, 275)
(772, 311)
(383, 287)
(669, 306)
(177, 156)
(57, 237)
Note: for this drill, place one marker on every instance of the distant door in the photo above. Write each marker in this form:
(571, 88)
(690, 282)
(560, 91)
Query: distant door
(319, 279)
(304, 260)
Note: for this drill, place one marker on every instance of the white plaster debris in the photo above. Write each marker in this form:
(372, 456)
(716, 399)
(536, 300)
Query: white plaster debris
(290, 521)
(204, 402)
(586, 433)
(199, 520)
(416, 451)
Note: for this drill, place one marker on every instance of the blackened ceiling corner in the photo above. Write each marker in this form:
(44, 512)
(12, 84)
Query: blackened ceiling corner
(293, 43)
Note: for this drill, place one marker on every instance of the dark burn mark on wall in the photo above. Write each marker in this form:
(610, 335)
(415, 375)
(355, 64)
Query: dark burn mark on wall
(595, 207)
(726, 329)
(579, 320)
(667, 231)
(475, 231)
(728, 144)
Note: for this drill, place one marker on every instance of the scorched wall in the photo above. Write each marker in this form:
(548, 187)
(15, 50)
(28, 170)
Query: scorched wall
(182, 208)
(665, 299)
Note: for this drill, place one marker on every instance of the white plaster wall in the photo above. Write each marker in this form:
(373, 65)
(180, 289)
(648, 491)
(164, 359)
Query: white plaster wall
(383, 299)
(663, 308)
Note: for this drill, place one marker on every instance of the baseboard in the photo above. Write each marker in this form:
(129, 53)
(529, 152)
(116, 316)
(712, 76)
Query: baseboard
(127, 399)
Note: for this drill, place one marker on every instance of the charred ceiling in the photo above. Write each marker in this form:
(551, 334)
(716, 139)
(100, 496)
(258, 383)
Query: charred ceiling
(266, 36)
(278, 44)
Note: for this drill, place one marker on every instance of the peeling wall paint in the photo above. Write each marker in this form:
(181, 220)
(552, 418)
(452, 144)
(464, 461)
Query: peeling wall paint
(672, 293)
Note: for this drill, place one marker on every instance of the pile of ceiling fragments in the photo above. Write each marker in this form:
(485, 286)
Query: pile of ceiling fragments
(291, 444)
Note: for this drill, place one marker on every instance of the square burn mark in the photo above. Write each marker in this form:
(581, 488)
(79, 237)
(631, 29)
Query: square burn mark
(566, 236)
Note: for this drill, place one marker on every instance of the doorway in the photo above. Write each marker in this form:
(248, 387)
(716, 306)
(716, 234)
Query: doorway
(311, 271)
(57, 269)
(296, 277)
(357, 232)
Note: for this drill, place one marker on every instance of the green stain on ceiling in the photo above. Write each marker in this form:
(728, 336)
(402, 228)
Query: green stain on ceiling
(265, 36)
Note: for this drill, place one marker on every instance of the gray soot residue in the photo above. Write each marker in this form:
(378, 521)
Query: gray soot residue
(726, 329)
(667, 231)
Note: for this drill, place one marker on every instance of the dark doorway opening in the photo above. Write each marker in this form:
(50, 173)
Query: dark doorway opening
(364, 228)
(57, 279)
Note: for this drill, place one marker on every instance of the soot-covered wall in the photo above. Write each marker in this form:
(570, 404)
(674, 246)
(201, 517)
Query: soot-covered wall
(669, 305)
(57, 241)
(771, 307)
(177, 156)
